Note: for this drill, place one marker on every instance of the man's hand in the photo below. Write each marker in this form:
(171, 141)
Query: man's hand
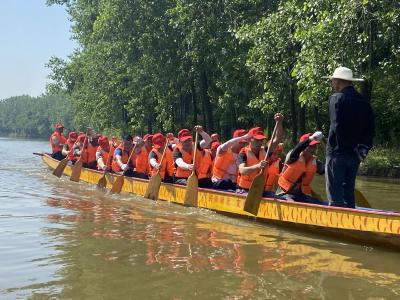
(316, 136)
(190, 167)
(262, 164)
(124, 167)
(278, 117)
(198, 128)
(104, 167)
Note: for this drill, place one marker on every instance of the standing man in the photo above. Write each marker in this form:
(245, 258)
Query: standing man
(350, 137)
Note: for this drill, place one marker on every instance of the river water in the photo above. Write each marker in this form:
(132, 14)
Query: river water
(63, 240)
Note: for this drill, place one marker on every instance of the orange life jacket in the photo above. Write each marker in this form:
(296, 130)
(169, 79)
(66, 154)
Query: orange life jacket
(167, 163)
(57, 147)
(105, 155)
(142, 161)
(88, 154)
(124, 158)
(272, 175)
(203, 169)
(244, 181)
(221, 164)
(299, 170)
(70, 155)
(187, 158)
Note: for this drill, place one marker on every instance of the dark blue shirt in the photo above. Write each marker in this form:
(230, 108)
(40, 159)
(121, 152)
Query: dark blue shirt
(351, 122)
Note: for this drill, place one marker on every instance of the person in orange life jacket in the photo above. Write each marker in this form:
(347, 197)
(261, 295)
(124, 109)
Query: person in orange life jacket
(300, 167)
(251, 158)
(172, 141)
(167, 167)
(142, 168)
(68, 150)
(214, 137)
(214, 147)
(104, 150)
(87, 150)
(225, 169)
(183, 156)
(120, 161)
(57, 142)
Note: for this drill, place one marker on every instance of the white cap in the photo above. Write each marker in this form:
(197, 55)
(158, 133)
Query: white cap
(344, 74)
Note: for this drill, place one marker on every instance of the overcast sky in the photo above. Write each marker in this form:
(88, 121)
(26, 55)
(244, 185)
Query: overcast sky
(30, 33)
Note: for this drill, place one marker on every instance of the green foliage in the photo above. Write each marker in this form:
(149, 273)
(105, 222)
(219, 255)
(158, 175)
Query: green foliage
(26, 116)
(145, 66)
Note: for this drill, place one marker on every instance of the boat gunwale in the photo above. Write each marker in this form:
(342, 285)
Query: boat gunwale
(206, 190)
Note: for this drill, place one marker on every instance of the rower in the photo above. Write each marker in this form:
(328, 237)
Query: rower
(183, 155)
(68, 148)
(57, 141)
(167, 167)
(120, 161)
(86, 148)
(104, 150)
(300, 167)
(142, 168)
(251, 159)
(225, 170)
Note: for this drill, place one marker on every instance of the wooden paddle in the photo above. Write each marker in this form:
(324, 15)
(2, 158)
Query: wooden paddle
(192, 182)
(59, 170)
(77, 167)
(254, 195)
(102, 183)
(119, 182)
(155, 181)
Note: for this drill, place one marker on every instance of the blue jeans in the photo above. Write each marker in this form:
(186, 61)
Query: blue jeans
(340, 174)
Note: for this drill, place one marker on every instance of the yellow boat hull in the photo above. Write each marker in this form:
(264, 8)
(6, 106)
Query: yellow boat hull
(368, 226)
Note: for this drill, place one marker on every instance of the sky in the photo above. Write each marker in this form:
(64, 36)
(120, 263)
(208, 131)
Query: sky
(30, 33)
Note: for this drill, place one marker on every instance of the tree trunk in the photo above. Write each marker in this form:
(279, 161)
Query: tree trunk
(194, 102)
(208, 117)
(302, 119)
(292, 104)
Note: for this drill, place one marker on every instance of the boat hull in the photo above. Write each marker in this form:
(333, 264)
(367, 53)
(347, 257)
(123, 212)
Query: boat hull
(366, 226)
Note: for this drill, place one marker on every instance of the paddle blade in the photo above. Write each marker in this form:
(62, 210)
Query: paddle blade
(191, 191)
(117, 185)
(76, 171)
(102, 183)
(361, 200)
(58, 171)
(253, 197)
(153, 187)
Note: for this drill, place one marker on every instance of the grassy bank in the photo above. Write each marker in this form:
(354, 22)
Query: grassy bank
(382, 162)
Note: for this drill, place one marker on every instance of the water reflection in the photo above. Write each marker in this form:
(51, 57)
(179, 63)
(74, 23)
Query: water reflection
(202, 255)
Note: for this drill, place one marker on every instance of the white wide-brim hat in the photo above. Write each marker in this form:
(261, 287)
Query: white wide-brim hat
(344, 74)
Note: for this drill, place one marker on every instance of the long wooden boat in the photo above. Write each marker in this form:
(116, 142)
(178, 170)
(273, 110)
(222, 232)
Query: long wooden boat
(367, 226)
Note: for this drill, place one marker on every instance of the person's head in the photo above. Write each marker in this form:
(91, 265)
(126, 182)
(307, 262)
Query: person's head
(215, 137)
(310, 150)
(170, 137)
(277, 152)
(148, 141)
(258, 138)
(214, 147)
(186, 139)
(159, 142)
(95, 139)
(59, 127)
(104, 143)
(72, 136)
(127, 142)
(341, 78)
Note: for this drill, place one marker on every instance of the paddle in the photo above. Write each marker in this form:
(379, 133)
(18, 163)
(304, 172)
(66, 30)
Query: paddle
(77, 167)
(253, 197)
(192, 181)
(155, 181)
(102, 183)
(119, 182)
(59, 170)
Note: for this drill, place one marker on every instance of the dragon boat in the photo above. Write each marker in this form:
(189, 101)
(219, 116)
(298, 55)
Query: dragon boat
(361, 225)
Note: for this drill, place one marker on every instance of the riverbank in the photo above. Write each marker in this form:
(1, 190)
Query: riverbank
(382, 162)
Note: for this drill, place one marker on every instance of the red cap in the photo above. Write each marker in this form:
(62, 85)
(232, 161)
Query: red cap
(103, 142)
(238, 133)
(215, 145)
(59, 125)
(81, 137)
(258, 133)
(184, 134)
(158, 140)
(72, 135)
(306, 136)
(147, 136)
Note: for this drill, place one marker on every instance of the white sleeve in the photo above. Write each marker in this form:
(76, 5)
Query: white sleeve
(181, 164)
(153, 162)
(206, 141)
